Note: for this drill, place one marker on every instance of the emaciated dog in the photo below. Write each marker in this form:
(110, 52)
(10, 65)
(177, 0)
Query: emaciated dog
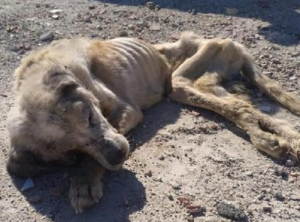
(78, 97)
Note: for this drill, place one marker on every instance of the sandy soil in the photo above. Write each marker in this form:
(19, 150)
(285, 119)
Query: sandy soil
(182, 156)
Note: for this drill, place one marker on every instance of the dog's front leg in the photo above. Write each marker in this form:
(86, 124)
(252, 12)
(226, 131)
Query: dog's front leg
(86, 186)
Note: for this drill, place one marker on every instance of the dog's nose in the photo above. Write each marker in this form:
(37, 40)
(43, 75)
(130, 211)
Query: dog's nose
(116, 150)
(116, 157)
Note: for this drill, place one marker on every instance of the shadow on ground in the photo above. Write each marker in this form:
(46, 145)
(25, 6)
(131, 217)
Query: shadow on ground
(124, 194)
(283, 16)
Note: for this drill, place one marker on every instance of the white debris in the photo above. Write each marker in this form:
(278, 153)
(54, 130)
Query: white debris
(28, 184)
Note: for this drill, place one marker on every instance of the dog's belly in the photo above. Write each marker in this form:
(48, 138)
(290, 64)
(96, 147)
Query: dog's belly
(133, 70)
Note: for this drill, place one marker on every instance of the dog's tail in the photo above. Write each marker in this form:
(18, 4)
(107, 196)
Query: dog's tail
(269, 86)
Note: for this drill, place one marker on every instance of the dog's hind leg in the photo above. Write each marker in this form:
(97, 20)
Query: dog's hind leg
(243, 115)
(269, 86)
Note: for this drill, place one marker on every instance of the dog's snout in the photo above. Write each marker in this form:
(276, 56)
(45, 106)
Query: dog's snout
(116, 150)
(116, 157)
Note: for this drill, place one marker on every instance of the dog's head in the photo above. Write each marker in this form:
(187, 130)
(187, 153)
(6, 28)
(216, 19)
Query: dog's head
(57, 114)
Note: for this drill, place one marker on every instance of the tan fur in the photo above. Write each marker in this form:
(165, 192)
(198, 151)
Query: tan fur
(77, 98)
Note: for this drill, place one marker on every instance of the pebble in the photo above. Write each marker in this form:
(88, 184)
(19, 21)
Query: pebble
(123, 33)
(28, 184)
(161, 157)
(155, 27)
(91, 7)
(289, 163)
(265, 108)
(49, 36)
(279, 196)
(266, 208)
(231, 211)
(56, 11)
(150, 5)
(276, 61)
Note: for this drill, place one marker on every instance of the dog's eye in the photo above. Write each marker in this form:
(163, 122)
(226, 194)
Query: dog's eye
(91, 119)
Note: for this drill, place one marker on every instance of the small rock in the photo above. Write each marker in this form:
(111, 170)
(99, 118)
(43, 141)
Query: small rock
(249, 173)
(149, 174)
(289, 163)
(232, 11)
(196, 210)
(265, 108)
(161, 157)
(157, 8)
(261, 197)
(56, 11)
(171, 198)
(276, 61)
(55, 16)
(155, 27)
(193, 12)
(14, 48)
(295, 54)
(123, 33)
(91, 7)
(99, 27)
(279, 196)
(266, 208)
(49, 36)
(231, 211)
(150, 5)
(27, 185)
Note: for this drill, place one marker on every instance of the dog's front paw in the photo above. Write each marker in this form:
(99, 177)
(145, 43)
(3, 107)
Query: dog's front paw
(84, 193)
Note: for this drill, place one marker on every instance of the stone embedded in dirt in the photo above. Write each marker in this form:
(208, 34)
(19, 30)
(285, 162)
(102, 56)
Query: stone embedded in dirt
(161, 157)
(193, 12)
(261, 197)
(196, 210)
(123, 33)
(149, 174)
(55, 16)
(150, 5)
(289, 163)
(231, 211)
(56, 11)
(232, 11)
(184, 201)
(171, 198)
(279, 196)
(295, 54)
(14, 48)
(266, 208)
(276, 61)
(155, 27)
(265, 108)
(28, 184)
(47, 37)
(91, 7)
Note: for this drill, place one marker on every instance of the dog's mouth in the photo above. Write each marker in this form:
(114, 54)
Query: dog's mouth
(103, 161)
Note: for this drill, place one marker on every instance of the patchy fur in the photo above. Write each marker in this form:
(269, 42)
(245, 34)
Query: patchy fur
(77, 98)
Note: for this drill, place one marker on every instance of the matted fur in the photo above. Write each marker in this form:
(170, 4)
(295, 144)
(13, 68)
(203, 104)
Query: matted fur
(78, 97)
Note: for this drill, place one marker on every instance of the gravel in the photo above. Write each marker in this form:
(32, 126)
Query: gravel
(181, 151)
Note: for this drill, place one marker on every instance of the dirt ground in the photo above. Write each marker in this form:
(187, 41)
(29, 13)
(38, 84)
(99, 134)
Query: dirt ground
(187, 164)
